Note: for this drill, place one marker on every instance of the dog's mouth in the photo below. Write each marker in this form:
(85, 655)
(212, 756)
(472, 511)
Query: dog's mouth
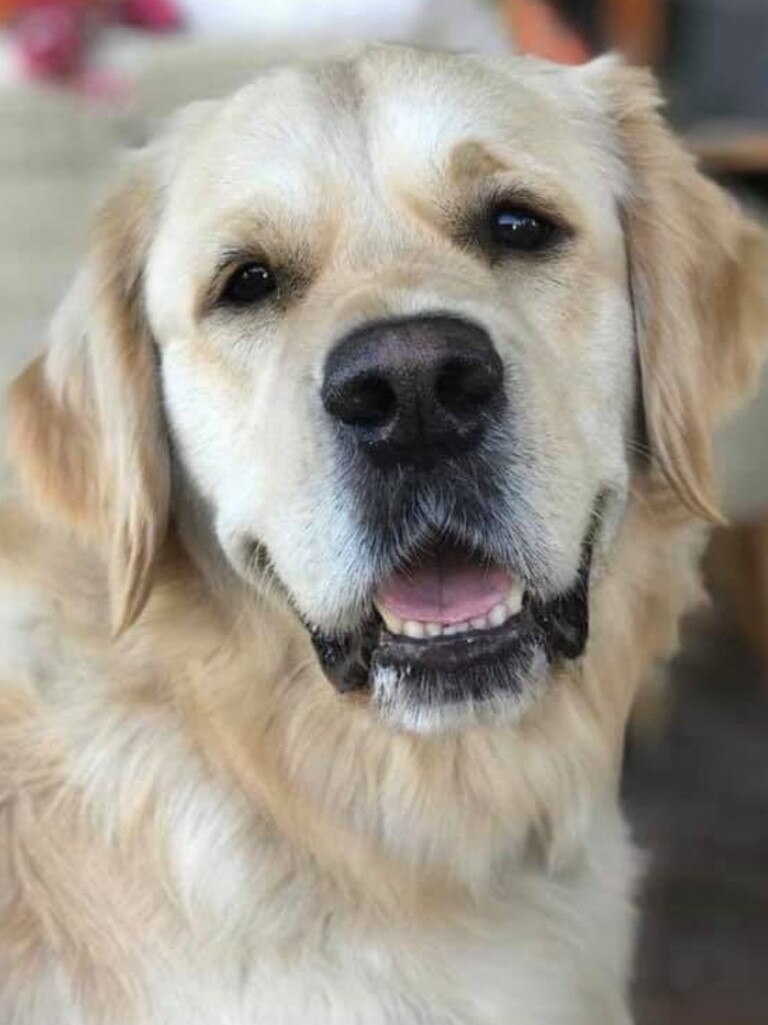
(446, 592)
(451, 626)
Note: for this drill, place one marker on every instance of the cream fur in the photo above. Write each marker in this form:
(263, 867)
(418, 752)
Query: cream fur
(194, 827)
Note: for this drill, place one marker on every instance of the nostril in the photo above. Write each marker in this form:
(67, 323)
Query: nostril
(464, 386)
(368, 401)
(414, 390)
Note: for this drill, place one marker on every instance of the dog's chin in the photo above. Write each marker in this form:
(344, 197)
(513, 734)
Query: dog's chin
(437, 685)
(426, 677)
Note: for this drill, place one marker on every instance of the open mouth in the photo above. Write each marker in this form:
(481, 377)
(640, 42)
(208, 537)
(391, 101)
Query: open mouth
(450, 626)
(446, 592)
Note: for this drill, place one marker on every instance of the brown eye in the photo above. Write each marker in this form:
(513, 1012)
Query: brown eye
(518, 229)
(250, 283)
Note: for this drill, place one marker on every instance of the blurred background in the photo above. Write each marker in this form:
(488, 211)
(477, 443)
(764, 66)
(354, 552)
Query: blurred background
(82, 79)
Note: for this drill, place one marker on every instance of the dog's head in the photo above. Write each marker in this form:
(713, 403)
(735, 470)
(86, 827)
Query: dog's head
(404, 330)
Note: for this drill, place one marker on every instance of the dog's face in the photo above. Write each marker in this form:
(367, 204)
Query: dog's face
(395, 323)
(397, 357)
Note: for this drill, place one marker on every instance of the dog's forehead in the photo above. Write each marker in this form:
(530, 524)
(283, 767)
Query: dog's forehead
(303, 128)
(426, 104)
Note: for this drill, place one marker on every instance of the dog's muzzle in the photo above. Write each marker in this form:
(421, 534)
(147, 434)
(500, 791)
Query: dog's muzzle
(419, 407)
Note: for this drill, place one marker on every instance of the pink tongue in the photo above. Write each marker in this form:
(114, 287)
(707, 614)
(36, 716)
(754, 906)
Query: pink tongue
(445, 588)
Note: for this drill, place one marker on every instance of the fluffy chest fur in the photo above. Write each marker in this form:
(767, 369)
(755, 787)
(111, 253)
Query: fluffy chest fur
(184, 840)
(192, 910)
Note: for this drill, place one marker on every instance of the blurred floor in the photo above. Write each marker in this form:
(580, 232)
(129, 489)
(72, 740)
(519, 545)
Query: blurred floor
(698, 803)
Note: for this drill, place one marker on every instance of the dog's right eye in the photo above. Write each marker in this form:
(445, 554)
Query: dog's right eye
(250, 283)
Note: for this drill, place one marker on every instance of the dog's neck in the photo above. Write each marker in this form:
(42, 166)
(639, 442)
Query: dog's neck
(330, 777)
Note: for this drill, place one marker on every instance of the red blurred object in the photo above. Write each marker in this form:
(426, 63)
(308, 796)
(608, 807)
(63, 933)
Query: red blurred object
(12, 9)
(51, 39)
(54, 37)
(155, 15)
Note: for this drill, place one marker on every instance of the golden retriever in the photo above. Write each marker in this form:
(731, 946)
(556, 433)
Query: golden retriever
(370, 462)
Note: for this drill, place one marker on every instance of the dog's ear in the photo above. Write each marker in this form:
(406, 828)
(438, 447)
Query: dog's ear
(698, 270)
(85, 423)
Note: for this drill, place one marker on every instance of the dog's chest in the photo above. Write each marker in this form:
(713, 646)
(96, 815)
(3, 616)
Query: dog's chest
(539, 962)
(246, 942)
(201, 915)
(450, 984)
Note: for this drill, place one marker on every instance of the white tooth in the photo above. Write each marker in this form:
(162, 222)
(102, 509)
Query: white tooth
(433, 629)
(413, 629)
(498, 614)
(455, 628)
(392, 623)
(479, 623)
(515, 599)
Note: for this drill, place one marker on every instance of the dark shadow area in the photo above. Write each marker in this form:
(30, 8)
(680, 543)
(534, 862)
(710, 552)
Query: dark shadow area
(698, 803)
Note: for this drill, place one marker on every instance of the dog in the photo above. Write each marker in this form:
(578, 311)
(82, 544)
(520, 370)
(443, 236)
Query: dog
(365, 479)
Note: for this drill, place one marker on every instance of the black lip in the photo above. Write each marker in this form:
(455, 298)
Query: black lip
(346, 660)
(559, 628)
(448, 654)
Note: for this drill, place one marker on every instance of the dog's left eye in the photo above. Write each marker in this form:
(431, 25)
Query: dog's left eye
(250, 283)
(519, 229)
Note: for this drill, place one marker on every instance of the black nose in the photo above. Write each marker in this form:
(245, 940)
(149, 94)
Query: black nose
(415, 389)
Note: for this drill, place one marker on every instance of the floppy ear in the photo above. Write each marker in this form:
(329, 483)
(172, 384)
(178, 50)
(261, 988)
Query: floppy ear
(85, 423)
(699, 277)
